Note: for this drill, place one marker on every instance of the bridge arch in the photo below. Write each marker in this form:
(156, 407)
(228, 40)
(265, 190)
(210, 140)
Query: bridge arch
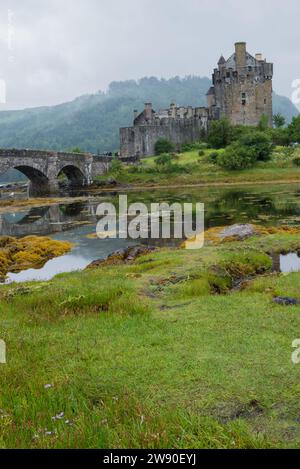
(39, 182)
(74, 174)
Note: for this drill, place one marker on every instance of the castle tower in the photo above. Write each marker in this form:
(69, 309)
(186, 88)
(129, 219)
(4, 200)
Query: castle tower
(242, 88)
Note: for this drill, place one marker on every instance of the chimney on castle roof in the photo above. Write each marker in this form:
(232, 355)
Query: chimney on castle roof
(240, 54)
(148, 110)
(259, 57)
(173, 110)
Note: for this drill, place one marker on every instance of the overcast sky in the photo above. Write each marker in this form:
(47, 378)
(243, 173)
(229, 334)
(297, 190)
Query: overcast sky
(55, 50)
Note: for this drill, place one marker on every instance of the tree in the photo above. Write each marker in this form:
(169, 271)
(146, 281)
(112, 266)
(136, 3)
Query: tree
(278, 120)
(163, 146)
(76, 150)
(236, 156)
(220, 133)
(294, 129)
(263, 123)
(260, 142)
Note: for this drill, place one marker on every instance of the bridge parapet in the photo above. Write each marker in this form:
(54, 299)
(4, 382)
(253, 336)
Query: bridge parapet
(43, 168)
(15, 153)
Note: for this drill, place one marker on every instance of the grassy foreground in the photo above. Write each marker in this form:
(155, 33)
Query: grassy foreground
(193, 169)
(159, 353)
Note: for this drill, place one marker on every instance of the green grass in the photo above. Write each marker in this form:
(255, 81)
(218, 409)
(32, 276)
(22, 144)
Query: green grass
(194, 169)
(140, 356)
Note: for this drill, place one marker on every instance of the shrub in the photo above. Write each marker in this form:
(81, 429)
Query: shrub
(175, 156)
(165, 163)
(164, 159)
(163, 146)
(134, 169)
(193, 146)
(176, 168)
(116, 166)
(186, 147)
(288, 152)
(281, 137)
(296, 161)
(260, 142)
(201, 153)
(263, 124)
(220, 133)
(237, 156)
(213, 156)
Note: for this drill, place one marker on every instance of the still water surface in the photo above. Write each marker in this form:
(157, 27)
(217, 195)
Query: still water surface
(265, 205)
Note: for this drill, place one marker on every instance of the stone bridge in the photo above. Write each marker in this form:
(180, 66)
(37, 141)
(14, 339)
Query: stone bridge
(44, 168)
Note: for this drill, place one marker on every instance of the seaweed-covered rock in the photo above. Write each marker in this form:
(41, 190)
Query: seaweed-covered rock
(122, 256)
(29, 252)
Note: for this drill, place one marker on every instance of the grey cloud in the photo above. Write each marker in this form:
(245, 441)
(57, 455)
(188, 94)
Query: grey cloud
(63, 49)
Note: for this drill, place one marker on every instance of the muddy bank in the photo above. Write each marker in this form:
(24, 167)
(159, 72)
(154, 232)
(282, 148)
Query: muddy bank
(23, 204)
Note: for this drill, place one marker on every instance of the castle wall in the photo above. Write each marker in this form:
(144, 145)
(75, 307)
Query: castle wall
(140, 140)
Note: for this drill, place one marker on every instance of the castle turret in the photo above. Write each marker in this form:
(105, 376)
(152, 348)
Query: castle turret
(221, 62)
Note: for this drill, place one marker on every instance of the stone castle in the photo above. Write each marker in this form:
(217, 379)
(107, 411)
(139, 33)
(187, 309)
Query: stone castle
(241, 91)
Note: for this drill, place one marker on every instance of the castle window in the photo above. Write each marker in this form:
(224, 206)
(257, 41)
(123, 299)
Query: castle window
(265, 101)
(244, 99)
(249, 69)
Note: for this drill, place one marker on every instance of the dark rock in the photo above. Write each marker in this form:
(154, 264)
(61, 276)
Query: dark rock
(105, 183)
(286, 301)
(112, 181)
(122, 256)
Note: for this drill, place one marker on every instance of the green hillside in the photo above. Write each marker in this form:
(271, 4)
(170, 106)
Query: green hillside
(92, 122)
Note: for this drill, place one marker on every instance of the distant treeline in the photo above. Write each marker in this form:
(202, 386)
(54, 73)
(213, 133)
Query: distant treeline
(92, 122)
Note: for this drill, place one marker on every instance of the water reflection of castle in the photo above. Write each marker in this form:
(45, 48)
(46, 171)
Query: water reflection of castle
(46, 220)
(59, 218)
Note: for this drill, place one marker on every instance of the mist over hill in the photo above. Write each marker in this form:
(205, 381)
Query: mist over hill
(92, 122)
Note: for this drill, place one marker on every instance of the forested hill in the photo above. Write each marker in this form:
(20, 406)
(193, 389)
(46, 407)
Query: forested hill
(92, 122)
